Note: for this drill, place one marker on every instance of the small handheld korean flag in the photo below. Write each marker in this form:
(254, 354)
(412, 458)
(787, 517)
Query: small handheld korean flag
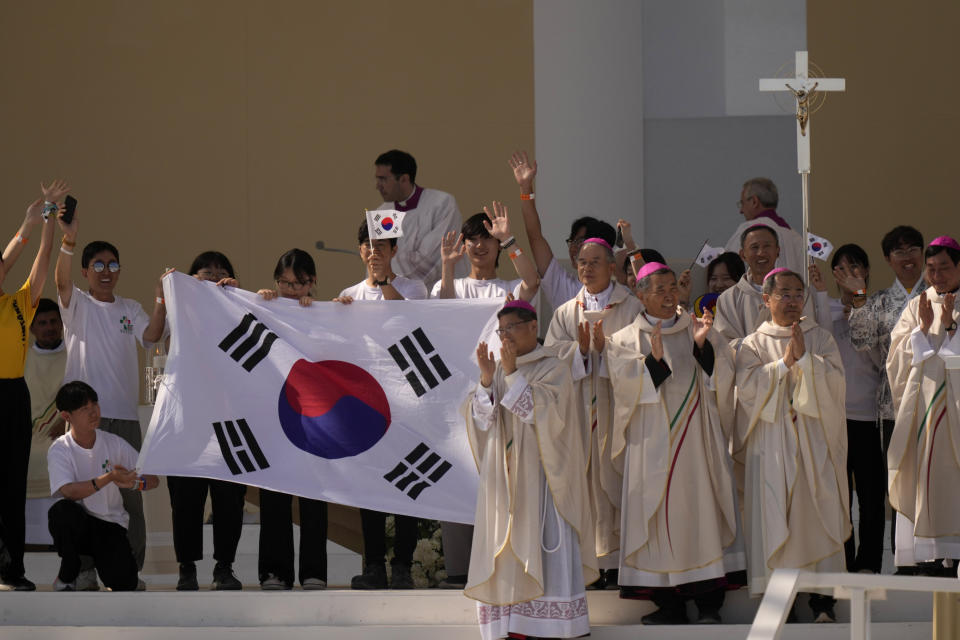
(818, 247)
(708, 254)
(385, 223)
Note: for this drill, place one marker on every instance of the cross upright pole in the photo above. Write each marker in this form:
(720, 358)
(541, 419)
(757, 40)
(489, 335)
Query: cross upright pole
(802, 86)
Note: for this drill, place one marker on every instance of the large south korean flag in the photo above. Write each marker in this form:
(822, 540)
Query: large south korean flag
(355, 404)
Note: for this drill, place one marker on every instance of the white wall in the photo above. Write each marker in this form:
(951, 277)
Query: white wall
(649, 110)
(589, 113)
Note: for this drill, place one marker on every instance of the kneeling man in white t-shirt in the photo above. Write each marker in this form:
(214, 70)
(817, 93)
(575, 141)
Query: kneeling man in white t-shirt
(87, 469)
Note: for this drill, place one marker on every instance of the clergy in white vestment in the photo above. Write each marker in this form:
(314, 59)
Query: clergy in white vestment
(678, 515)
(923, 365)
(758, 205)
(533, 545)
(741, 309)
(790, 384)
(429, 214)
(605, 306)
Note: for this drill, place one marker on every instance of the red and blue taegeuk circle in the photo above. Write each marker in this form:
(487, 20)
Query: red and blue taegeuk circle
(387, 224)
(332, 409)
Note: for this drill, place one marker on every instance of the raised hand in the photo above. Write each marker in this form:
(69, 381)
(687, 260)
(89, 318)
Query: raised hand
(656, 342)
(946, 309)
(498, 225)
(488, 365)
(849, 279)
(627, 234)
(683, 286)
(816, 278)
(701, 327)
(508, 357)
(925, 311)
(452, 247)
(583, 337)
(377, 266)
(69, 230)
(34, 213)
(599, 340)
(159, 287)
(55, 191)
(524, 171)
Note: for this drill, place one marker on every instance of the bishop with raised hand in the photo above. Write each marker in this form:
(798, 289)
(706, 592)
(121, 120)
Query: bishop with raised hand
(678, 515)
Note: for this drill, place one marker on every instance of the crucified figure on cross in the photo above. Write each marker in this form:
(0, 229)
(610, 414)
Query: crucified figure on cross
(803, 108)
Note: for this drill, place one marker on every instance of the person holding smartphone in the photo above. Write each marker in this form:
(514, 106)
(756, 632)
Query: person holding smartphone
(16, 313)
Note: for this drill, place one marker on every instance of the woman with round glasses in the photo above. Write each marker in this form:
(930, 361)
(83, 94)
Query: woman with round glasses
(16, 313)
(189, 495)
(295, 274)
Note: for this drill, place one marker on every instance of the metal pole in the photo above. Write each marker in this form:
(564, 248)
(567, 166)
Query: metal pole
(805, 188)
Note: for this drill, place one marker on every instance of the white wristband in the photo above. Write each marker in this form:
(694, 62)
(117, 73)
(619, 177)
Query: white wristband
(65, 250)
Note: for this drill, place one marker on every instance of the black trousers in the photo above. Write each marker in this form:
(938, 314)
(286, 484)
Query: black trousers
(276, 537)
(76, 532)
(887, 430)
(374, 525)
(187, 499)
(15, 435)
(866, 467)
(707, 594)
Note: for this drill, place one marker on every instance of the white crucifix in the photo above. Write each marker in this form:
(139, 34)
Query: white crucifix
(802, 86)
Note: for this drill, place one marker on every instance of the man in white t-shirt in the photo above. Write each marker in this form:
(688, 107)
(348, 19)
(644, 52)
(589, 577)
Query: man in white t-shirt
(383, 284)
(429, 215)
(87, 469)
(102, 332)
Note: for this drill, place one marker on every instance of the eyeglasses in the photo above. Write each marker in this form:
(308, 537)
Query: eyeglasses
(574, 242)
(911, 252)
(510, 327)
(296, 284)
(99, 266)
(787, 297)
(210, 274)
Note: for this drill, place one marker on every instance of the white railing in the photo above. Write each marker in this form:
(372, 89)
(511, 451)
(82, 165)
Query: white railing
(859, 588)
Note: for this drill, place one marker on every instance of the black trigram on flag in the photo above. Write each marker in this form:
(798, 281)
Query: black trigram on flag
(259, 332)
(412, 480)
(239, 446)
(416, 370)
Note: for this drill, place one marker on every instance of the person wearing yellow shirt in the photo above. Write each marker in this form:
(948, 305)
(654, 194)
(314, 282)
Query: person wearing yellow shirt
(16, 314)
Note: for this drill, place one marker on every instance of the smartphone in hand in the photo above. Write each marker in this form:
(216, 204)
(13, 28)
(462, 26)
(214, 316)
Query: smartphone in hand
(71, 204)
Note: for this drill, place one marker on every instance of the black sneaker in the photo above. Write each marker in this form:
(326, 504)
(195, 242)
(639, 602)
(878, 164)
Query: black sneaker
(19, 583)
(453, 582)
(400, 577)
(374, 576)
(188, 577)
(223, 578)
(709, 616)
(663, 616)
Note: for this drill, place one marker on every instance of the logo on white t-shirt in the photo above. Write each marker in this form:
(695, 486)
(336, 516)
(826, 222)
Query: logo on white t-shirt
(126, 325)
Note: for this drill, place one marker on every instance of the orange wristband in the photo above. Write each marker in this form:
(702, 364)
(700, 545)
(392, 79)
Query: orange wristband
(528, 196)
(19, 238)
(516, 253)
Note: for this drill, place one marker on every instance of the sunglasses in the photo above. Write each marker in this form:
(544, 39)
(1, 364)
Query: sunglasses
(99, 266)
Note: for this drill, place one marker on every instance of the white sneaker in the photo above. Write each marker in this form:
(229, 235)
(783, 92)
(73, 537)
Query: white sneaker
(60, 585)
(141, 585)
(314, 584)
(273, 583)
(87, 581)
(825, 617)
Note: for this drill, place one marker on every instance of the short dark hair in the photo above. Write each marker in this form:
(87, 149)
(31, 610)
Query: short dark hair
(45, 305)
(363, 236)
(75, 395)
(759, 227)
(523, 314)
(853, 253)
(300, 261)
(94, 248)
(937, 249)
(601, 229)
(648, 255)
(733, 262)
(580, 223)
(473, 227)
(400, 162)
(209, 259)
(900, 236)
(770, 282)
(644, 283)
